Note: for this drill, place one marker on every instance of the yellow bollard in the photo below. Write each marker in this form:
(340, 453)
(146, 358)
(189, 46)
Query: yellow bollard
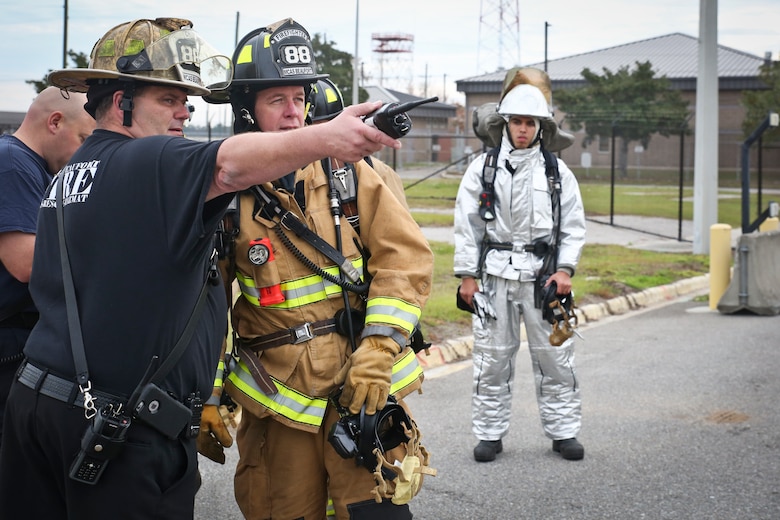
(720, 262)
(770, 224)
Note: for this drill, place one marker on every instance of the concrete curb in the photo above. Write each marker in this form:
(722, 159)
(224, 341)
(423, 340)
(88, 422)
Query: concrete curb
(459, 349)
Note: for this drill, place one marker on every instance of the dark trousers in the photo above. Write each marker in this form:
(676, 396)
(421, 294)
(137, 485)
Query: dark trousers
(11, 344)
(153, 477)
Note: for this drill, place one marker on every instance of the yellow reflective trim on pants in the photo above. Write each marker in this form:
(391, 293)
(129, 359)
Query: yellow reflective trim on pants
(392, 311)
(304, 409)
(299, 292)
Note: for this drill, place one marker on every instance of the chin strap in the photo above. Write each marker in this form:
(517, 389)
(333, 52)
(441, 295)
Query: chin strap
(127, 102)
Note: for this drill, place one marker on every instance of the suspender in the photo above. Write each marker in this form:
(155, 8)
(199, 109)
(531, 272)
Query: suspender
(550, 264)
(487, 199)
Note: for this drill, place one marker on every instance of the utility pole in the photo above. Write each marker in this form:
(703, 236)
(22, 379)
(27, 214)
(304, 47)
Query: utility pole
(546, 25)
(356, 60)
(705, 169)
(235, 36)
(65, 38)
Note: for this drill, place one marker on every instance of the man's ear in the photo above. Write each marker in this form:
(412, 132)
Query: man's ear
(54, 121)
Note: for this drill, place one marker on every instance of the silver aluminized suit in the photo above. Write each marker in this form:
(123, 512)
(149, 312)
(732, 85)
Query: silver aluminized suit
(523, 214)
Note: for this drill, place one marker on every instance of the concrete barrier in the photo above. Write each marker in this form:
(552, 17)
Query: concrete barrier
(755, 284)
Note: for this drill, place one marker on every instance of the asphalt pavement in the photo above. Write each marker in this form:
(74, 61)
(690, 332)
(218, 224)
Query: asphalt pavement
(680, 422)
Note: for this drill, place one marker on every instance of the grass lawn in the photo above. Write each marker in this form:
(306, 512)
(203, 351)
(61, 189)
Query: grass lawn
(605, 272)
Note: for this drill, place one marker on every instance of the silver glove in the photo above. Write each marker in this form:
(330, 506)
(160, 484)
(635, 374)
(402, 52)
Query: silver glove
(483, 308)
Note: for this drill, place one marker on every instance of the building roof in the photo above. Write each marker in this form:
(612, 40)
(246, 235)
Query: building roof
(433, 110)
(675, 56)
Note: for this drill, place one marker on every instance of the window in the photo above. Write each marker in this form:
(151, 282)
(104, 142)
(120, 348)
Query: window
(603, 144)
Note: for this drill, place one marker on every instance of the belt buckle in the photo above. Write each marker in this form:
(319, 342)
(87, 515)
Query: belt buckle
(302, 333)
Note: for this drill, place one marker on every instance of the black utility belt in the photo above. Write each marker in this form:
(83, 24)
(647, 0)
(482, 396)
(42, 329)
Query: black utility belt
(156, 408)
(20, 320)
(59, 388)
(537, 247)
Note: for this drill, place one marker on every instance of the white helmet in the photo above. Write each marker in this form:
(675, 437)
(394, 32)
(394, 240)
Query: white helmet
(528, 100)
(524, 100)
(489, 124)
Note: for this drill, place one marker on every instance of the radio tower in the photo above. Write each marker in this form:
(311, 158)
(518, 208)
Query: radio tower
(499, 35)
(394, 52)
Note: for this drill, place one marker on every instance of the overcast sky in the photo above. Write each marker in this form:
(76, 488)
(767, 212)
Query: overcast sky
(450, 38)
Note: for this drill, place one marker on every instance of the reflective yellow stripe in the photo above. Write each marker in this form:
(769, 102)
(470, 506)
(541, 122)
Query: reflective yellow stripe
(309, 289)
(299, 292)
(245, 56)
(287, 402)
(133, 47)
(220, 372)
(330, 95)
(248, 289)
(308, 410)
(392, 311)
(406, 370)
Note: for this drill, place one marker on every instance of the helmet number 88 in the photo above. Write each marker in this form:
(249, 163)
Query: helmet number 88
(297, 54)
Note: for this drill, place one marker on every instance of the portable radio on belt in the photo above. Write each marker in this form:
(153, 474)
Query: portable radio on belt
(260, 253)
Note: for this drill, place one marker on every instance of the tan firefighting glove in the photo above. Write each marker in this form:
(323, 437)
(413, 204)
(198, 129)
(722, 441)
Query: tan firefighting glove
(214, 436)
(367, 374)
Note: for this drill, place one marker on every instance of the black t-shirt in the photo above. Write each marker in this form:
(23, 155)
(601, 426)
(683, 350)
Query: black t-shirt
(139, 237)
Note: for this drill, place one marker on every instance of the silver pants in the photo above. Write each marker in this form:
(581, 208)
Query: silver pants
(495, 348)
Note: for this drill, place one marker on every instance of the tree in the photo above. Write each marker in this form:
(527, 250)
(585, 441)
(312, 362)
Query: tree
(80, 61)
(634, 105)
(338, 65)
(760, 102)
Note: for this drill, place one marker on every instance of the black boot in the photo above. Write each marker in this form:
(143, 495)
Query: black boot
(486, 450)
(570, 449)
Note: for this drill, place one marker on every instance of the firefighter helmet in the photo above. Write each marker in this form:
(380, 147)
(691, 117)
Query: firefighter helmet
(524, 100)
(360, 434)
(278, 55)
(388, 445)
(489, 125)
(528, 76)
(165, 51)
(325, 101)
